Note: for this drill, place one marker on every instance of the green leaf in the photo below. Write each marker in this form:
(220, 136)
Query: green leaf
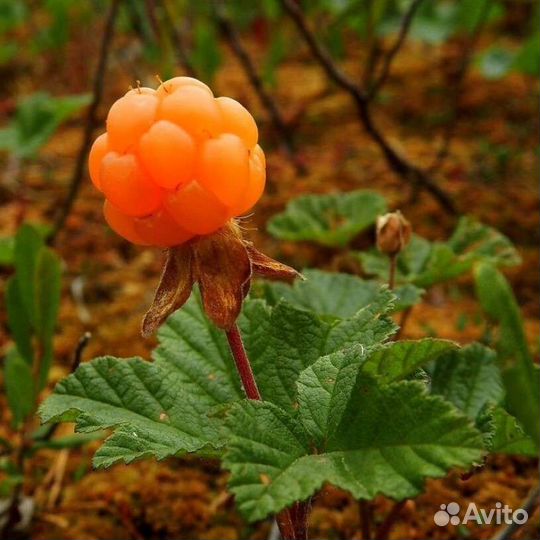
(425, 263)
(193, 361)
(281, 341)
(527, 60)
(520, 377)
(152, 409)
(37, 118)
(504, 434)
(19, 323)
(370, 439)
(7, 249)
(47, 303)
(19, 386)
(398, 360)
(206, 56)
(330, 220)
(28, 245)
(335, 294)
(469, 378)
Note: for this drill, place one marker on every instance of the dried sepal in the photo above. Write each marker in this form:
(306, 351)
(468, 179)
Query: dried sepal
(269, 268)
(173, 290)
(222, 264)
(223, 270)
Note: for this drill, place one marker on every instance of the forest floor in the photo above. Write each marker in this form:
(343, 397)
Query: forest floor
(491, 173)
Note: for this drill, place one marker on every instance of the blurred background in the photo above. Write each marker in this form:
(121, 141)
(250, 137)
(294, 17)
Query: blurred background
(432, 103)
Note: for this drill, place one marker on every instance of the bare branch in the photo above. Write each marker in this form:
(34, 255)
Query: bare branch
(232, 38)
(91, 120)
(506, 532)
(386, 526)
(398, 163)
(394, 50)
(457, 88)
(177, 40)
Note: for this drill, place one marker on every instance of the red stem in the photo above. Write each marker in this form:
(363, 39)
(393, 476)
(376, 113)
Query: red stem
(292, 522)
(242, 363)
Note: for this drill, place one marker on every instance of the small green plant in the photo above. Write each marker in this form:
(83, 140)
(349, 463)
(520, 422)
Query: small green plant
(32, 299)
(36, 119)
(330, 220)
(520, 375)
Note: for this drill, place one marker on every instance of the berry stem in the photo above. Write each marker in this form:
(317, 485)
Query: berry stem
(392, 273)
(292, 522)
(242, 363)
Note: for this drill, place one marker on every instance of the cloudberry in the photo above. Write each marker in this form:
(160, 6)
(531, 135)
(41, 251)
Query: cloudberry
(176, 163)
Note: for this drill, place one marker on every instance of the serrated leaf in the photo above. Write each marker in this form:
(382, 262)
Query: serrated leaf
(379, 440)
(398, 360)
(504, 434)
(281, 341)
(520, 376)
(19, 386)
(193, 361)
(425, 263)
(335, 294)
(469, 378)
(146, 403)
(330, 220)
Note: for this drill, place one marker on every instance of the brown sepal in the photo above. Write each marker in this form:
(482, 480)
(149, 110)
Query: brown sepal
(269, 268)
(223, 271)
(222, 264)
(173, 290)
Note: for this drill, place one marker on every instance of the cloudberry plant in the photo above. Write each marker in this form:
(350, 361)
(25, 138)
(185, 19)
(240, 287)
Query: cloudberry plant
(176, 163)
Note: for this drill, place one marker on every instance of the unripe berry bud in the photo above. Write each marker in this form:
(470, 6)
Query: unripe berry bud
(393, 233)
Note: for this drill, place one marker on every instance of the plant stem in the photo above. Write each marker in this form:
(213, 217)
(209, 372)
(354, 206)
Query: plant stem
(242, 363)
(365, 519)
(292, 522)
(506, 532)
(392, 273)
(91, 121)
(386, 525)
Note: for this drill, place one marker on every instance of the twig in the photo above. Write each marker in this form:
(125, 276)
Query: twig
(177, 40)
(457, 87)
(506, 532)
(77, 357)
(232, 38)
(386, 525)
(79, 349)
(274, 531)
(91, 120)
(399, 164)
(12, 511)
(389, 57)
(405, 315)
(365, 519)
